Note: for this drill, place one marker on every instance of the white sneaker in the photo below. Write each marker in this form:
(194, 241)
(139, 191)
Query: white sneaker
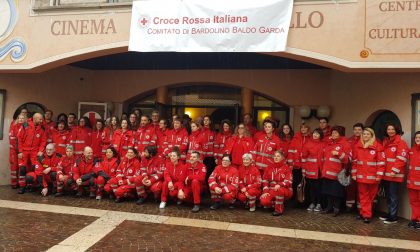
(252, 209)
(162, 205)
(318, 208)
(311, 207)
(99, 197)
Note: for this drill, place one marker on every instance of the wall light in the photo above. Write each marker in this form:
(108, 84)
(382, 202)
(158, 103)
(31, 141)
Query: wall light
(306, 112)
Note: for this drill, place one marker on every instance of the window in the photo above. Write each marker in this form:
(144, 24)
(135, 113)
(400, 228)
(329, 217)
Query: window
(2, 105)
(32, 108)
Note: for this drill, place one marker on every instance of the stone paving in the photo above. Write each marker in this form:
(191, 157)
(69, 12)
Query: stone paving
(36, 231)
(292, 218)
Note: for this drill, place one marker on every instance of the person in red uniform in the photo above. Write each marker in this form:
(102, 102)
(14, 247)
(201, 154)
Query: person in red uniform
(396, 156)
(15, 128)
(336, 156)
(61, 137)
(194, 183)
(249, 182)
(223, 183)
(294, 156)
(265, 146)
(65, 172)
(208, 136)
(106, 171)
(221, 140)
(108, 134)
(248, 124)
(145, 134)
(311, 168)
(177, 137)
(97, 139)
(32, 140)
(277, 184)
(123, 139)
(368, 170)
(133, 122)
(44, 175)
(155, 120)
(162, 136)
(71, 121)
(49, 125)
(123, 184)
(323, 125)
(413, 182)
(173, 178)
(351, 190)
(149, 177)
(286, 135)
(81, 136)
(84, 174)
(195, 141)
(239, 144)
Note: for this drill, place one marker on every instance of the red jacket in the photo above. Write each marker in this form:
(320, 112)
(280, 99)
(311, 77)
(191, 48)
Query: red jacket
(151, 168)
(97, 142)
(61, 139)
(277, 174)
(195, 143)
(251, 129)
(222, 177)
(413, 179)
(66, 166)
(333, 164)
(249, 177)
(237, 147)
(45, 162)
(177, 138)
(121, 141)
(264, 150)
(109, 166)
(368, 163)
(127, 170)
(396, 156)
(14, 130)
(175, 173)
(208, 142)
(353, 141)
(107, 136)
(144, 136)
(84, 167)
(49, 128)
(296, 146)
(197, 172)
(80, 138)
(312, 159)
(220, 144)
(162, 140)
(32, 138)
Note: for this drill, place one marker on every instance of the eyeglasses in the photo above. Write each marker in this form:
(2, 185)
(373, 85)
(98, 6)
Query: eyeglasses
(225, 160)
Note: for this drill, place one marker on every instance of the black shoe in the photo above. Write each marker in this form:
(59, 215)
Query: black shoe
(111, 197)
(390, 221)
(118, 200)
(215, 206)
(417, 225)
(140, 201)
(276, 213)
(327, 211)
(79, 194)
(412, 224)
(195, 209)
(14, 186)
(336, 212)
(359, 217)
(179, 203)
(21, 190)
(366, 220)
(384, 218)
(232, 206)
(59, 194)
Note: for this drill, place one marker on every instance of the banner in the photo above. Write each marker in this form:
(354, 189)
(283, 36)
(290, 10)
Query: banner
(210, 26)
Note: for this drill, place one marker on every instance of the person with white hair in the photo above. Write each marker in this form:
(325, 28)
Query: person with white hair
(65, 172)
(249, 182)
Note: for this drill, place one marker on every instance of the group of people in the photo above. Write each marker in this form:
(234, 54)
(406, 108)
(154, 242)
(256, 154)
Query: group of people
(139, 157)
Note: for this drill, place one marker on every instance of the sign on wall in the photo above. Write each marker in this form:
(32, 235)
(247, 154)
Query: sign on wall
(210, 26)
(93, 111)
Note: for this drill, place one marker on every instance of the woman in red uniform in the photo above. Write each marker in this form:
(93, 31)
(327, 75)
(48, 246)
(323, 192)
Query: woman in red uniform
(286, 135)
(81, 136)
(277, 184)
(413, 182)
(367, 171)
(61, 137)
(122, 139)
(222, 138)
(97, 139)
(106, 171)
(249, 182)
(239, 144)
(311, 168)
(108, 134)
(195, 142)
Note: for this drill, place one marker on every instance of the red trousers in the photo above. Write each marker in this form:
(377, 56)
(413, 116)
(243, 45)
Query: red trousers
(100, 184)
(125, 190)
(25, 166)
(277, 197)
(367, 193)
(13, 160)
(142, 190)
(166, 191)
(67, 184)
(226, 196)
(193, 191)
(414, 197)
(351, 195)
(253, 194)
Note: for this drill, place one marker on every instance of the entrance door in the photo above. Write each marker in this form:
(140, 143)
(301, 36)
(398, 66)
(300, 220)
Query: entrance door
(382, 120)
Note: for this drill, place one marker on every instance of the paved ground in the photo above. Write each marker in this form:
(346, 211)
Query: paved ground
(178, 229)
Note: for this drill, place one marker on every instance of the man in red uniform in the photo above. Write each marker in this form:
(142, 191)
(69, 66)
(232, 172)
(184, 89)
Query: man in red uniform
(155, 120)
(326, 129)
(65, 172)
(32, 140)
(71, 121)
(149, 177)
(177, 137)
(85, 172)
(351, 190)
(45, 171)
(208, 136)
(49, 124)
(248, 124)
(15, 128)
(195, 180)
(145, 134)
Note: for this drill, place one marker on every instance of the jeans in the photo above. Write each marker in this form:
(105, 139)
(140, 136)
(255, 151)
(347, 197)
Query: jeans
(391, 190)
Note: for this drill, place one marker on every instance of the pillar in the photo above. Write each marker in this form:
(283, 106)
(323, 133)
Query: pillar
(247, 100)
(162, 95)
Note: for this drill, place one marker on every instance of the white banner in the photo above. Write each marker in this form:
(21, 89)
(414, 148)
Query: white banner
(210, 25)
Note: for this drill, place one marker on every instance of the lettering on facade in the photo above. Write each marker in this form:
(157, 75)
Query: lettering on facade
(393, 27)
(301, 20)
(83, 27)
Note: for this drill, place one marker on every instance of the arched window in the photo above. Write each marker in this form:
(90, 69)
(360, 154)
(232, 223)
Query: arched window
(380, 119)
(32, 108)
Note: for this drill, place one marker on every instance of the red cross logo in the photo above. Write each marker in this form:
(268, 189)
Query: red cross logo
(143, 22)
